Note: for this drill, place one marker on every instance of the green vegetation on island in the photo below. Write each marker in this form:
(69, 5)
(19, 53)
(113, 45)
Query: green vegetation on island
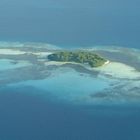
(82, 57)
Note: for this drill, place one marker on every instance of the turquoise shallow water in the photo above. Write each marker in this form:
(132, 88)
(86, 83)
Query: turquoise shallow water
(67, 85)
(7, 64)
(67, 102)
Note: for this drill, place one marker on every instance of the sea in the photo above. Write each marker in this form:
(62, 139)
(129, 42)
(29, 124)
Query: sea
(56, 108)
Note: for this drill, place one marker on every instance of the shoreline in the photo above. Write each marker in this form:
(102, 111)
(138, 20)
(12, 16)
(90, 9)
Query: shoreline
(106, 63)
(113, 69)
(62, 63)
(118, 70)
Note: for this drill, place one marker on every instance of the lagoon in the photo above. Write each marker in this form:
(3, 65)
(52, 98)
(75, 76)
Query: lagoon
(39, 98)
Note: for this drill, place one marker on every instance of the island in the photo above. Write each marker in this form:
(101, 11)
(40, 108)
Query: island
(93, 76)
(82, 57)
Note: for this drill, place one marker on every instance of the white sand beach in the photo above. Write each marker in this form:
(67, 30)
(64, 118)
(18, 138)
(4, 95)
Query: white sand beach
(60, 63)
(41, 54)
(18, 52)
(114, 69)
(118, 70)
(11, 52)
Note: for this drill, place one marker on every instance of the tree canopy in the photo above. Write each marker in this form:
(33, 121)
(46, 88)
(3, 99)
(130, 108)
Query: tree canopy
(84, 57)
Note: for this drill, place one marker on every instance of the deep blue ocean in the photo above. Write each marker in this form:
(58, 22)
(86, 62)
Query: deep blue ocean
(68, 23)
(71, 23)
